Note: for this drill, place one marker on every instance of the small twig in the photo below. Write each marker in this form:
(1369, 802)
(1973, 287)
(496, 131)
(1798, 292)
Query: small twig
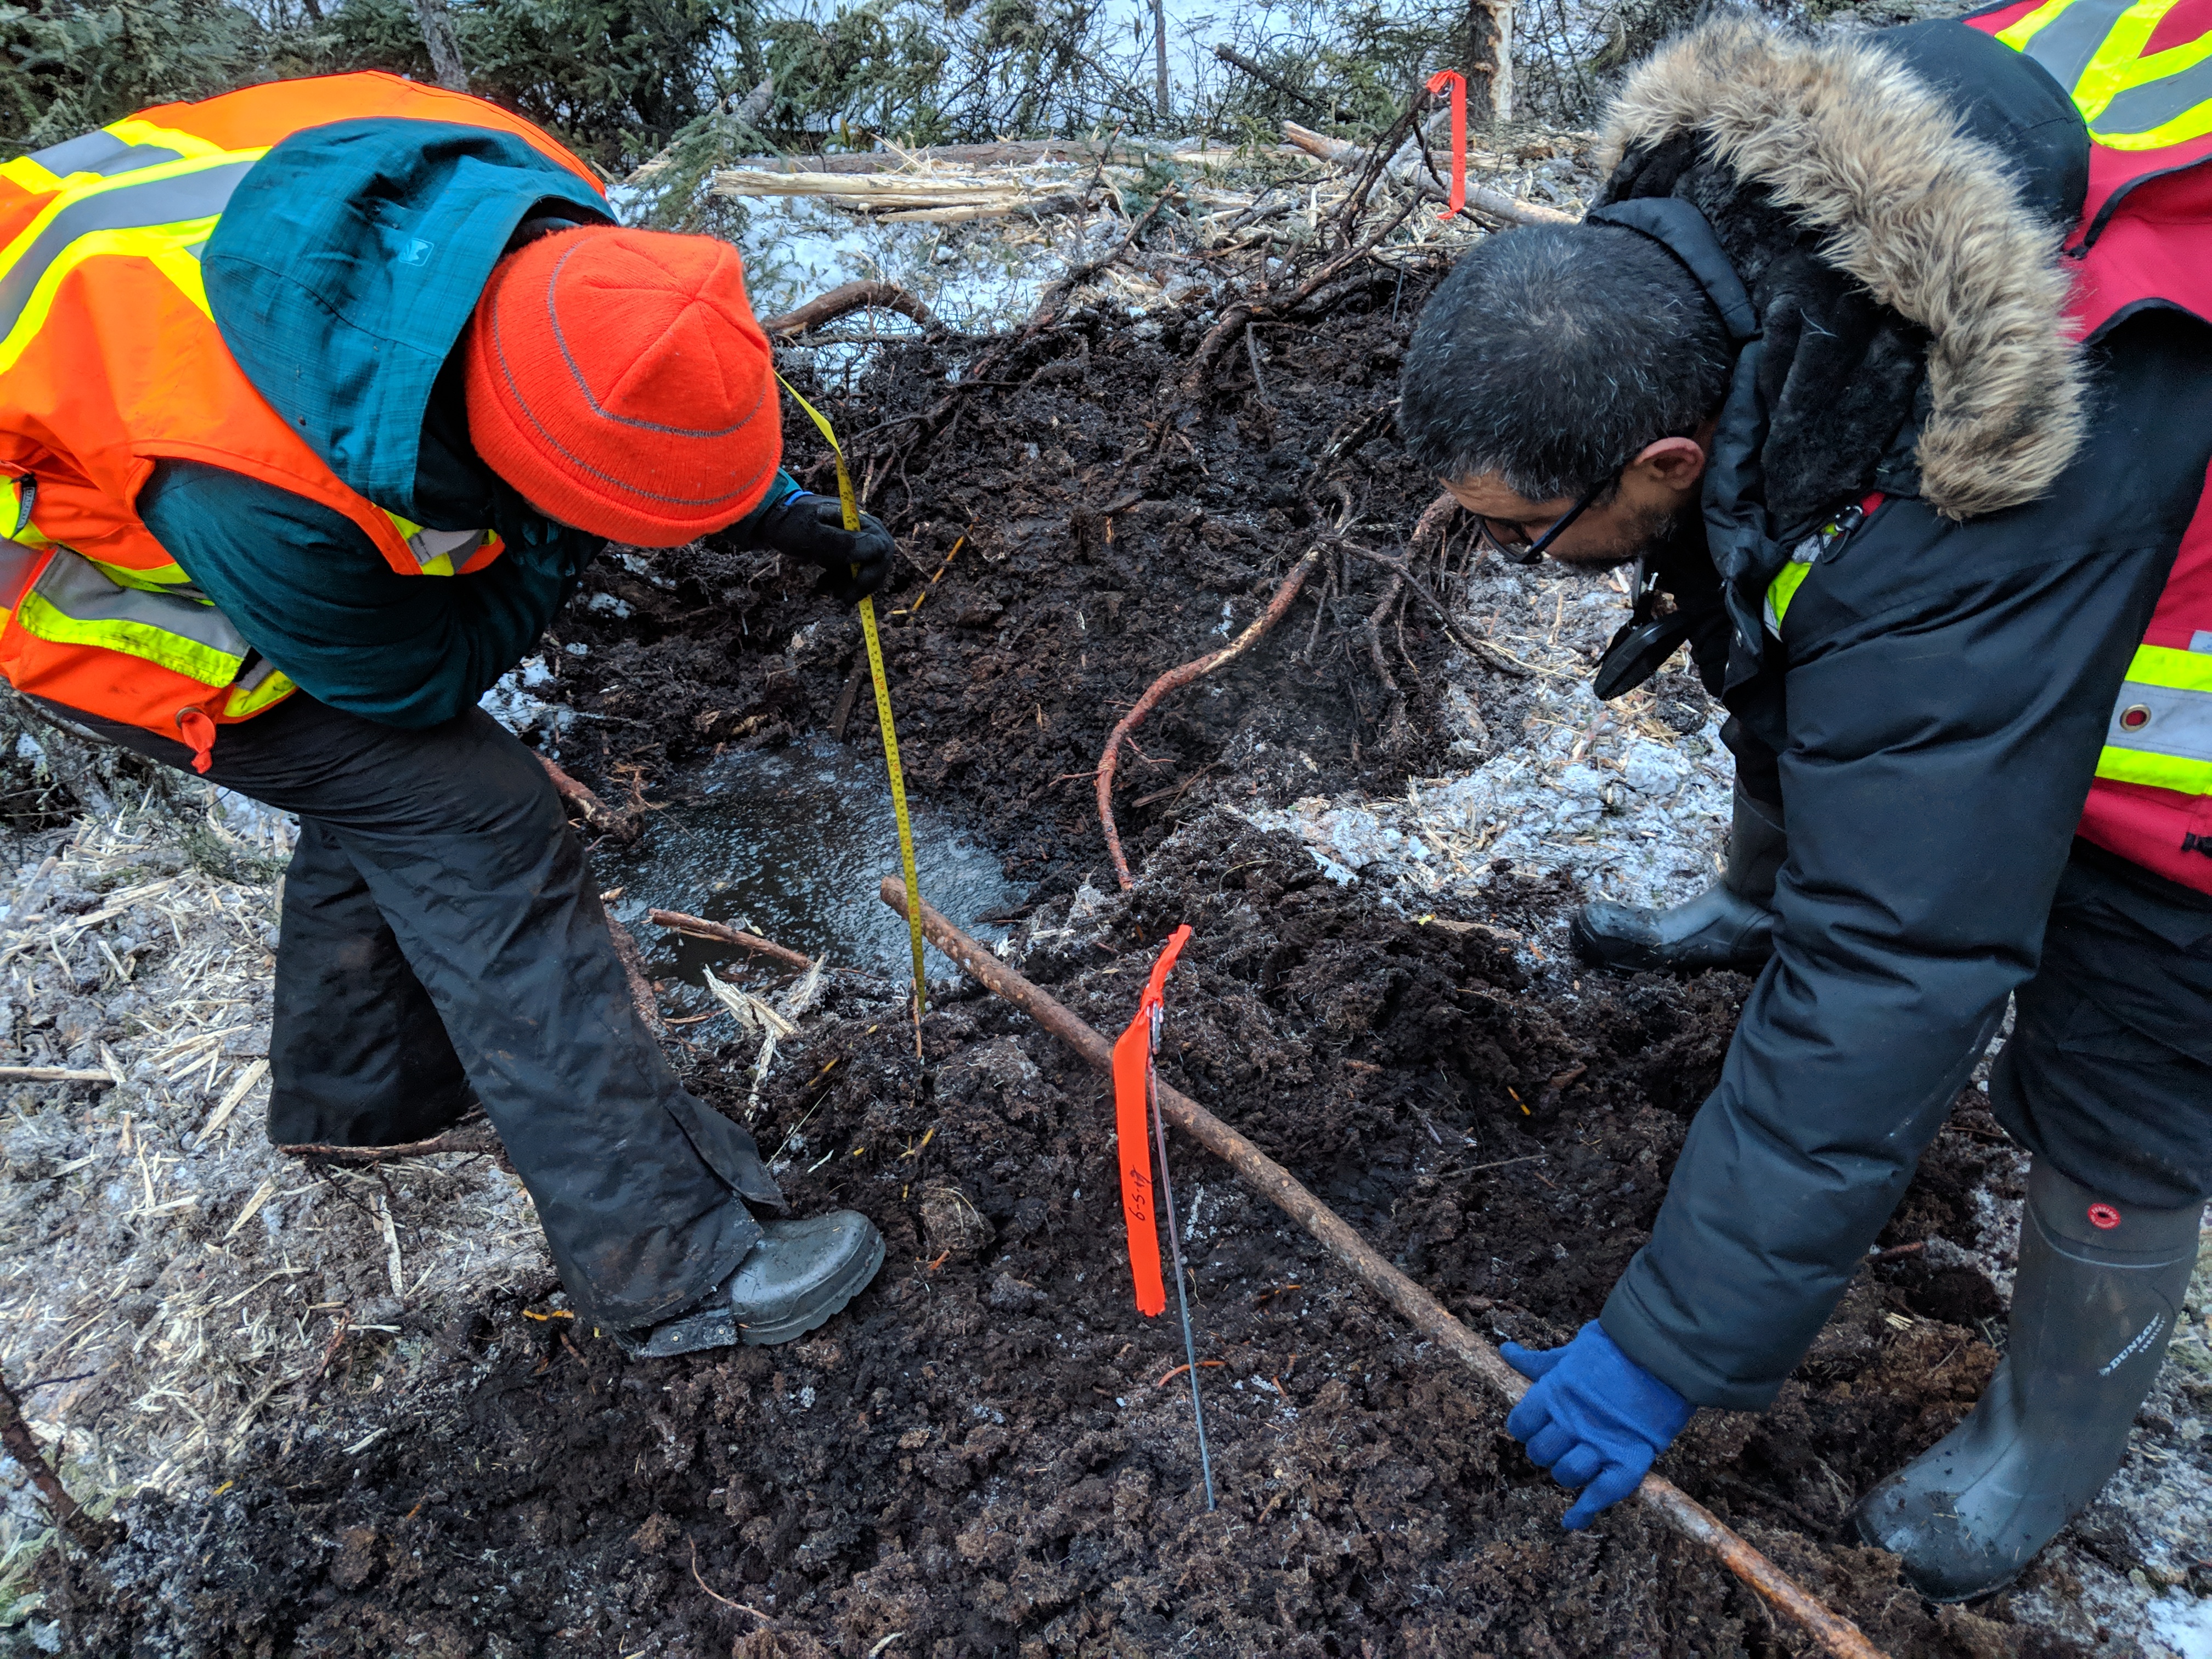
(717, 1594)
(700, 927)
(1203, 1365)
(475, 1136)
(1175, 679)
(50, 1074)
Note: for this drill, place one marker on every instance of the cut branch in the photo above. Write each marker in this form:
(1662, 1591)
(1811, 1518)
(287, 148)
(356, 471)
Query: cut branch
(1175, 679)
(1837, 1635)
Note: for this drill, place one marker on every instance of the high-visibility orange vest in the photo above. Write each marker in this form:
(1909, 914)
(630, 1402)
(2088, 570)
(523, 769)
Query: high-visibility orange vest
(110, 360)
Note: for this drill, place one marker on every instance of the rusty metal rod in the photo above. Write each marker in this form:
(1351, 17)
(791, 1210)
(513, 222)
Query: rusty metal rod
(1836, 1634)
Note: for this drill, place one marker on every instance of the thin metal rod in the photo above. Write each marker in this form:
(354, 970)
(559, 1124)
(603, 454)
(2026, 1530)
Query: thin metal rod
(1175, 1253)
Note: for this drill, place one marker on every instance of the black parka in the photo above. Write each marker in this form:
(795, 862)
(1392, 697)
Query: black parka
(1938, 689)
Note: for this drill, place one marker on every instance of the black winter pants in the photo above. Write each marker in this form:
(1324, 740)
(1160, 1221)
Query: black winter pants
(442, 939)
(2108, 1070)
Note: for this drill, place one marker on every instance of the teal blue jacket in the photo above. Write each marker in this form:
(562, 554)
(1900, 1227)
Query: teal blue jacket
(341, 276)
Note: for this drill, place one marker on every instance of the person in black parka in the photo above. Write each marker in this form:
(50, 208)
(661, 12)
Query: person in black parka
(1809, 361)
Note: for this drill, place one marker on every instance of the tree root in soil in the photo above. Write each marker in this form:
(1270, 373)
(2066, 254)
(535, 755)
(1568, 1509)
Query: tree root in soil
(625, 825)
(1837, 1635)
(1173, 680)
(700, 927)
(22, 1446)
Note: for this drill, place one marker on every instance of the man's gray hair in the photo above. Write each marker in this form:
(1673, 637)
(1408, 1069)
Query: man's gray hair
(1551, 355)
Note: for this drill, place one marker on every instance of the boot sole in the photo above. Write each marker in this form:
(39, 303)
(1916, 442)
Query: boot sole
(832, 1299)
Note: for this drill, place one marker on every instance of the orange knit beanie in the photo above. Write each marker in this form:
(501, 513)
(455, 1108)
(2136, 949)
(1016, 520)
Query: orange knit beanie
(618, 380)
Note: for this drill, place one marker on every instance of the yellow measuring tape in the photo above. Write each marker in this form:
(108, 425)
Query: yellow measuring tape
(883, 712)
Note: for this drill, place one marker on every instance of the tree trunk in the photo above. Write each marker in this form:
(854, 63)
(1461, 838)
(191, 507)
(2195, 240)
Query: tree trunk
(1489, 61)
(1160, 52)
(437, 26)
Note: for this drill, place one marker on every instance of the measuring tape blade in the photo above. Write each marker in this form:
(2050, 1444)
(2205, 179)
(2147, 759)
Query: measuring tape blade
(883, 707)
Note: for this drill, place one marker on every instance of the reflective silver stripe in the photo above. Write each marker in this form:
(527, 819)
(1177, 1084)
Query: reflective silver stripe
(102, 153)
(427, 546)
(2180, 722)
(127, 207)
(2066, 43)
(75, 587)
(2201, 639)
(17, 564)
(2149, 106)
(259, 670)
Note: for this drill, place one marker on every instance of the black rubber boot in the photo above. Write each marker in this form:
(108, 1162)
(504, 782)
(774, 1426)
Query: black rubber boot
(799, 1276)
(2093, 1306)
(1727, 925)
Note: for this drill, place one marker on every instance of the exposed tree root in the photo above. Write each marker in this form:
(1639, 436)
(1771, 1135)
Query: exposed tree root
(625, 825)
(844, 300)
(1175, 679)
(22, 1446)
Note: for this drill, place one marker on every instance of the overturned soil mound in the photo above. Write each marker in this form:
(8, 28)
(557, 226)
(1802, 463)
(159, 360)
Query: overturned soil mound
(990, 1453)
(987, 1454)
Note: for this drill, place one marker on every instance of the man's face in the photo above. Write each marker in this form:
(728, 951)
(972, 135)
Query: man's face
(1654, 490)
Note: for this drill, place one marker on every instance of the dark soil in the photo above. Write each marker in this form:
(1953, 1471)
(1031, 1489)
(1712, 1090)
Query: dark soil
(984, 1456)
(1072, 531)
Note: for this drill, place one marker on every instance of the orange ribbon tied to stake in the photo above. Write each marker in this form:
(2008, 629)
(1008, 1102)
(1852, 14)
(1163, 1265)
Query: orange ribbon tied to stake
(1136, 1098)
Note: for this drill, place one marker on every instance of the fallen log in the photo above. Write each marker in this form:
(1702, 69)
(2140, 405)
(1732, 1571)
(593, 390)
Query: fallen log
(1836, 1634)
(1173, 680)
(700, 927)
(1407, 167)
(844, 300)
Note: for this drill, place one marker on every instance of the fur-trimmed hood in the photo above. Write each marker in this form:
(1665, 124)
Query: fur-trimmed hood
(1944, 203)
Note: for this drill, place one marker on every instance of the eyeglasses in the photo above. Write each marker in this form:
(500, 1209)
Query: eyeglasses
(1525, 551)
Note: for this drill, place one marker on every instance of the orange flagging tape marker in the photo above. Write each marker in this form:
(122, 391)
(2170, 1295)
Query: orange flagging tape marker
(1133, 1069)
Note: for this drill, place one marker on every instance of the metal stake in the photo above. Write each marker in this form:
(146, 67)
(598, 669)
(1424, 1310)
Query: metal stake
(1175, 1253)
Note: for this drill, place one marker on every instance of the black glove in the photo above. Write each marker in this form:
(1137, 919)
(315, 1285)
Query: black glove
(853, 562)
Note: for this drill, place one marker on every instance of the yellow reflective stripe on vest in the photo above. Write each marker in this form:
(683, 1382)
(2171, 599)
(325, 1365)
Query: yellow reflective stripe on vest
(1783, 589)
(435, 550)
(260, 686)
(160, 213)
(163, 579)
(2161, 728)
(2094, 49)
(73, 604)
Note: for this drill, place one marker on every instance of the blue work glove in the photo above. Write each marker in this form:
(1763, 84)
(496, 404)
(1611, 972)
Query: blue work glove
(1596, 1419)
